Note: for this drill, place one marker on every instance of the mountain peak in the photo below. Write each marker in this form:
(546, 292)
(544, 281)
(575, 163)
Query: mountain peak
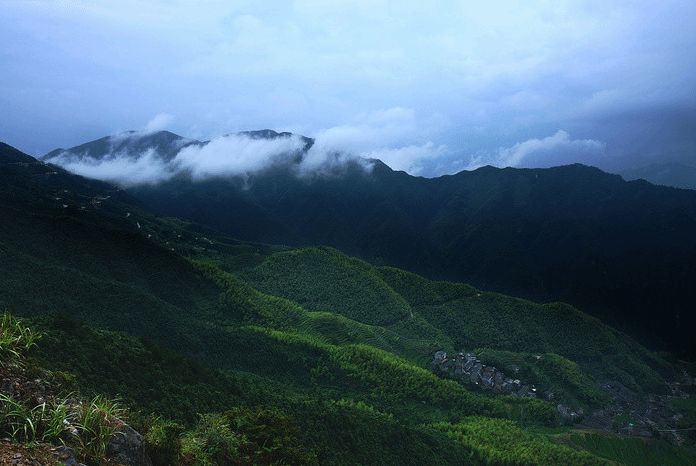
(129, 143)
(270, 134)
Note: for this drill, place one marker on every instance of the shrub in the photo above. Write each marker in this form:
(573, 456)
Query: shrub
(268, 437)
(163, 442)
(211, 442)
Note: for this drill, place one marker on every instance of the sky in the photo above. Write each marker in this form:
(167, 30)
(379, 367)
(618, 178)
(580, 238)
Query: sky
(427, 87)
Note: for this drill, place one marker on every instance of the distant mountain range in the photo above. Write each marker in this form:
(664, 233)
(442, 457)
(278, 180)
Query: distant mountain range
(677, 175)
(620, 250)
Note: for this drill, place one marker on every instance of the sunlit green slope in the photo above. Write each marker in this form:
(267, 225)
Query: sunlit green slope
(454, 316)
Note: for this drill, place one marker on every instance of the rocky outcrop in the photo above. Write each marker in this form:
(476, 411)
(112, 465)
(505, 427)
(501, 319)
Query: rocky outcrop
(31, 388)
(126, 447)
(65, 456)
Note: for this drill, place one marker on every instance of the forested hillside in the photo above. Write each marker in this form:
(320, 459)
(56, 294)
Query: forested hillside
(307, 355)
(618, 250)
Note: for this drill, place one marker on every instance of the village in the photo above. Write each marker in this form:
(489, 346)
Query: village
(628, 414)
(467, 368)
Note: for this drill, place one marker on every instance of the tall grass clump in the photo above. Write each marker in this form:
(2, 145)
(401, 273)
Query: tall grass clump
(96, 421)
(15, 340)
(46, 422)
(17, 420)
(55, 421)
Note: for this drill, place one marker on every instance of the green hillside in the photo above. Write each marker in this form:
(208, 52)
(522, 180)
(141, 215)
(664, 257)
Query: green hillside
(454, 316)
(324, 352)
(324, 280)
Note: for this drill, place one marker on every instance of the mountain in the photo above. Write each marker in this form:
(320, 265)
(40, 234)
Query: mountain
(674, 174)
(618, 250)
(324, 353)
(135, 144)
(127, 144)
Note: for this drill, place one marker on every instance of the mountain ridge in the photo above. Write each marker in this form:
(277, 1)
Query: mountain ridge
(164, 143)
(346, 356)
(674, 174)
(498, 229)
(571, 233)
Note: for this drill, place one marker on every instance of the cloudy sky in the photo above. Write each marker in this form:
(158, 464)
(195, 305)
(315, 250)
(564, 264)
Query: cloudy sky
(429, 87)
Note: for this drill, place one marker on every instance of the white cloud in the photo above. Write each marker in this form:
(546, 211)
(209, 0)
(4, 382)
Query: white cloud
(552, 150)
(235, 155)
(409, 158)
(515, 69)
(158, 123)
(396, 136)
(121, 168)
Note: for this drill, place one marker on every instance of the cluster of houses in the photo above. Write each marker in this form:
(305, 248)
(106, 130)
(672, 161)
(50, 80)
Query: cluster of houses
(467, 367)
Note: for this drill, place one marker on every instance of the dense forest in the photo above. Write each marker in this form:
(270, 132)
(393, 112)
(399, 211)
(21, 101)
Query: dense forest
(221, 350)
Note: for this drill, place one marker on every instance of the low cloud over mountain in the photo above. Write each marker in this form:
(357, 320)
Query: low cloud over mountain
(137, 157)
(395, 137)
(558, 149)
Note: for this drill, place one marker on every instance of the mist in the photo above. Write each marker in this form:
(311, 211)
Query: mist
(399, 137)
(120, 168)
(557, 149)
(236, 155)
(390, 136)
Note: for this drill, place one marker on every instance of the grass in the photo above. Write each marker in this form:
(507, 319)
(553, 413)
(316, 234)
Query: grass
(96, 421)
(19, 421)
(55, 428)
(15, 340)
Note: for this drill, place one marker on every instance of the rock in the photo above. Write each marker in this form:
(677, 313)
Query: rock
(126, 447)
(65, 455)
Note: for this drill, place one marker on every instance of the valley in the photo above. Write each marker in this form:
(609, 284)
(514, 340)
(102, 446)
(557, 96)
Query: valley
(310, 311)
